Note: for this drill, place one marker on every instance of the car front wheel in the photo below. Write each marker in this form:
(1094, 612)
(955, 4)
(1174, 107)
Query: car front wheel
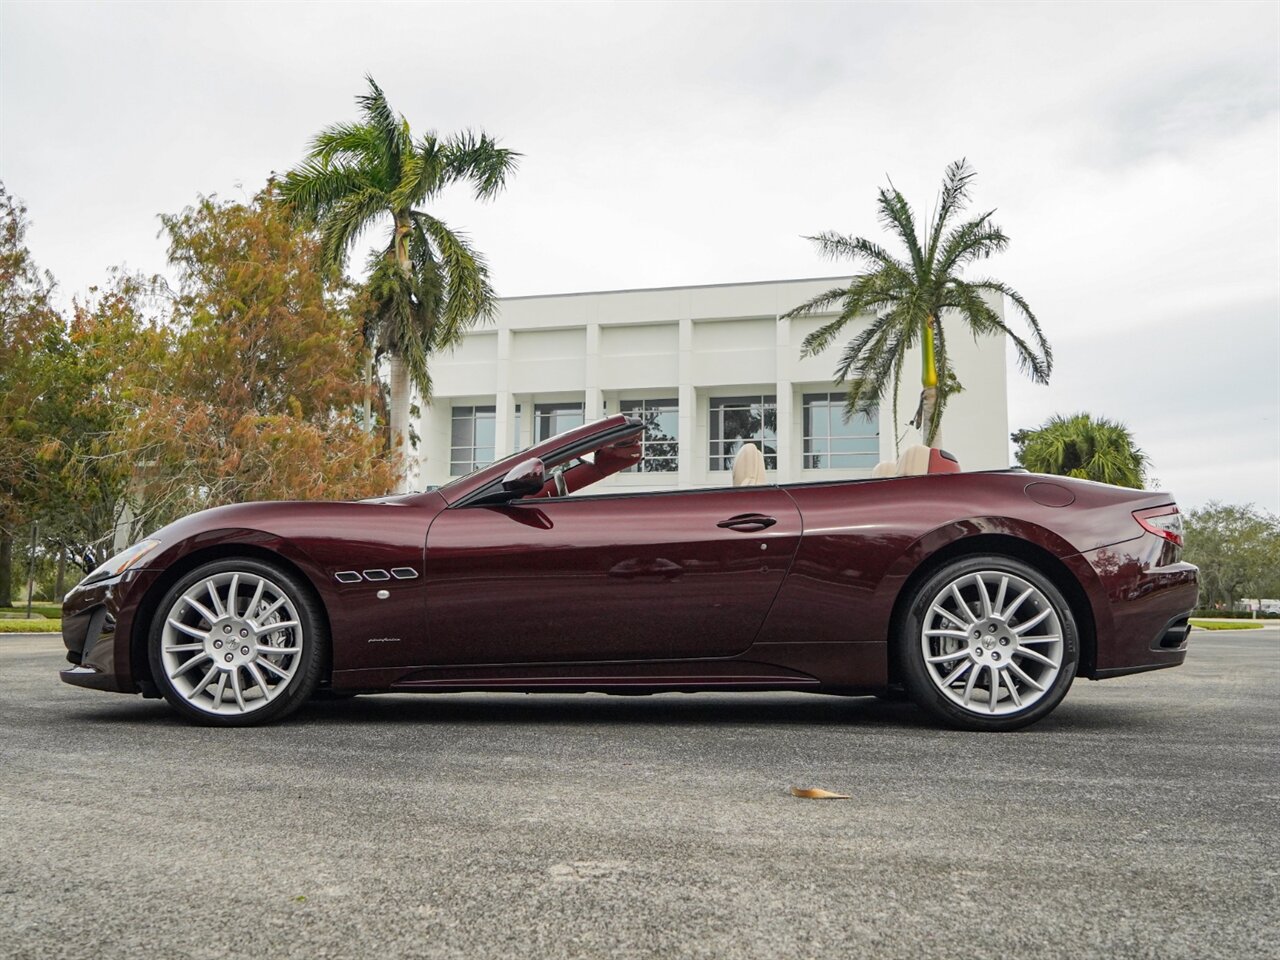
(237, 642)
(989, 644)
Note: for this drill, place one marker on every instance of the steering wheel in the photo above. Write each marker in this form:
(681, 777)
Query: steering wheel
(562, 488)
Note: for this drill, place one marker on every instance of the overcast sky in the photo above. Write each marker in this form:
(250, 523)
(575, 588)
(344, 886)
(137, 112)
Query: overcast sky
(1132, 151)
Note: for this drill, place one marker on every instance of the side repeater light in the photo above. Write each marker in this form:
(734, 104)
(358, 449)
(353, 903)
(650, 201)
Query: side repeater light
(1164, 522)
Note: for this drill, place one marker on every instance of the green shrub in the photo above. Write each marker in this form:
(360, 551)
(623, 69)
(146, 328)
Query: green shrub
(1236, 615)
(43, 625)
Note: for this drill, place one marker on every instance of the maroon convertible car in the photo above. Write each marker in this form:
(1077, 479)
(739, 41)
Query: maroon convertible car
(984, 595)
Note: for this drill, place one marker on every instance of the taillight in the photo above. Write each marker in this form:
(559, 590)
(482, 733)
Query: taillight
(1164, 522)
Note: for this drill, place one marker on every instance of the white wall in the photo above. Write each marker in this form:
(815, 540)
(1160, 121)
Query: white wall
(691, 343)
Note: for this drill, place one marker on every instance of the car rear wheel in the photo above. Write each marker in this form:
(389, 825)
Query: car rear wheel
(989, 644)
(237, 642)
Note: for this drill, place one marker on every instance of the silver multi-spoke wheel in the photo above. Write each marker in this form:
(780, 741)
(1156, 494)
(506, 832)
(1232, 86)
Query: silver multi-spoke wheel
(992, 642)
(231, 643)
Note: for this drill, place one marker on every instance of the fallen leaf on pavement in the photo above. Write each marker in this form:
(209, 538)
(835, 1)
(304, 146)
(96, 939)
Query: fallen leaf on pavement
(814, 793)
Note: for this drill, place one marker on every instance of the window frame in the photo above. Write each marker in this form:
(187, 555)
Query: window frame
(550, 408)
(716, 442)
(475, 413)
(834, 403)
(639, 407)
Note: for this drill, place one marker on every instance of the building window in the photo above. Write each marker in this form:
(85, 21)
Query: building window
(553, 418)
(660, 446)
(471, 443)
(739, 420)
(832, 441)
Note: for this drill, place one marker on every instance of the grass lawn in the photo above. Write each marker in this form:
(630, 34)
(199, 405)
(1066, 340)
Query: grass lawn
(1228, 625)
(40, 625)
(53, 610)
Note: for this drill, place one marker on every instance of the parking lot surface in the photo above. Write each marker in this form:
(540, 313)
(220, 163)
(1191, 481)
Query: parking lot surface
(1142, 819)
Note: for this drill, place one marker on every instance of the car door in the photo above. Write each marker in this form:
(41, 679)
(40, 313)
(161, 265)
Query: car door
(643, 577)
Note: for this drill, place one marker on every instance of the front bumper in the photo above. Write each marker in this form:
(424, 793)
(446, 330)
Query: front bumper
(96, 638)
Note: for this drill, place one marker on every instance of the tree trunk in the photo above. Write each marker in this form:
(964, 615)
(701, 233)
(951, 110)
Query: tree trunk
(60, 582)
(399, 413)
(6, 569)
(401, 387)
(928, 410)
(368, 392)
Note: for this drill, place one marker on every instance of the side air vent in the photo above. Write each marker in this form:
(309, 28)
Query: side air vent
(375, 576)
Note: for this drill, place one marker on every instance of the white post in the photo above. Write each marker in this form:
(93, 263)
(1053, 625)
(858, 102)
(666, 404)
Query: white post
(785, 443)
(593, 398)
(688, 414)
(504, 404)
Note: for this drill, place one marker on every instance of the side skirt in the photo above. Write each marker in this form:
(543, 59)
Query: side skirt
(769, 666)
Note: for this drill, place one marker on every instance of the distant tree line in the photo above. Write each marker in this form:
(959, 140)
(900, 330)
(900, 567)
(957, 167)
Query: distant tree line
(257, 377)
(1236, 547)
(143, 402)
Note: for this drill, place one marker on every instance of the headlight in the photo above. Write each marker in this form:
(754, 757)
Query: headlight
(122, 561)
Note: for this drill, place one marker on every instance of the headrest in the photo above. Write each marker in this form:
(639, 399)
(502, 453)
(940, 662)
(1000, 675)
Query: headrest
(748, 467)
(917, 461)
(914, 462)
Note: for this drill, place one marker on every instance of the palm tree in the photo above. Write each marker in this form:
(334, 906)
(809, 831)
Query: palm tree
(911, 296)
(428, 284)
(1083, 446)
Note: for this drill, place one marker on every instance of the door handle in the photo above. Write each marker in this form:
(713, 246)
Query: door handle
(748, 521)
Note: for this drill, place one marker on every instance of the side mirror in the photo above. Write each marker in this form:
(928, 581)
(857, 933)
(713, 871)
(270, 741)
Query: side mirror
(525, 478)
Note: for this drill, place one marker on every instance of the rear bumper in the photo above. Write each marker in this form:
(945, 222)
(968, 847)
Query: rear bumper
(1141, 608)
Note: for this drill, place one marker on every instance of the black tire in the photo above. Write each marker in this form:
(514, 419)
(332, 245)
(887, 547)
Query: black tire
(999, 657)
(278, 695)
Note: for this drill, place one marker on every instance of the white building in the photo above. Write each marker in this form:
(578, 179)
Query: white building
(707, 367)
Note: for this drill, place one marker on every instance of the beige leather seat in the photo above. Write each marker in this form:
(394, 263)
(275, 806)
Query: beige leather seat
(748, 467)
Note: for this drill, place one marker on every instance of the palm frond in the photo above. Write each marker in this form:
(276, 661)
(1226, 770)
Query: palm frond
(866, 293)
(895, 213)
(952, 199)
(815, 304)
(865, 351)
(345, 141)
(477, 159)
(975, 239)
(982, 320)
(1020, 304)
(412, 184)
(871, 371)
(345, 221)
(468, 297)
(315, 186)
(377, 110)
(837, 246)
(401, 304)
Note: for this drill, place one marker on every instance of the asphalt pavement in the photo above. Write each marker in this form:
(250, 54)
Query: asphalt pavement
(1139, 820)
